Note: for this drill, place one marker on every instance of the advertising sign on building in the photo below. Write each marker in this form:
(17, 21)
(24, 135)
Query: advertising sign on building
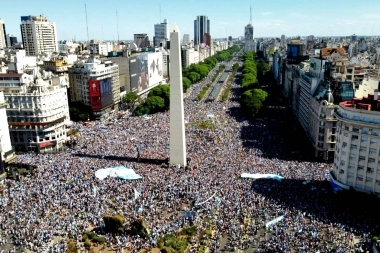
(139, 73)
(106, 92)
(155, 68)
(94, 94)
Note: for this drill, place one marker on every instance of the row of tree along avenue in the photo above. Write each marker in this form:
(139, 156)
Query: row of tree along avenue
(253, 97)
(158, 97)
(196, 72)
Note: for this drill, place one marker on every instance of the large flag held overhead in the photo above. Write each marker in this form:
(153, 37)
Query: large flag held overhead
(137, 194)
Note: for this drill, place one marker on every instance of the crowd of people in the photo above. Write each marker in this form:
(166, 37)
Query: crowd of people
(64, 198)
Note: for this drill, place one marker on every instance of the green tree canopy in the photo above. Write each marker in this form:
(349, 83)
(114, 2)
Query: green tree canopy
(162, 91)
(185, 83)
(130, 99)
(194, 77)
(253, 100)
(155, 104)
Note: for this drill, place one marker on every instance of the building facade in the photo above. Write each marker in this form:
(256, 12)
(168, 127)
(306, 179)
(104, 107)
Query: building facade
(141, 40)
(37, 111)
(11, 40)
(161, 34)
(38, 35)
(357, 155)
(96, 84)
(201, 26)
(186, 39)
(7, 152)
(249, 43)
(3, 41)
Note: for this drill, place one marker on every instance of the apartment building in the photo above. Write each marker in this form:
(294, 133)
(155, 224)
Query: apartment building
(37, 110)
(38, 35)
(357, 155)
(95, 83)
(7, 152)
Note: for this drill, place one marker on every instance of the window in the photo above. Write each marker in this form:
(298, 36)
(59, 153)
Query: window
(363, 148)
(364, 139)
(371, 160)
(342, 163)
(375, 132)
(373, 140)
(346, 128)
(360, 168)
(345, 134)
(352, 156)
(361, 158)
(365, 130)
(368, 179)
(355, 129)
(354, 137)
(370, 170)
(354, 146)
(372, 151)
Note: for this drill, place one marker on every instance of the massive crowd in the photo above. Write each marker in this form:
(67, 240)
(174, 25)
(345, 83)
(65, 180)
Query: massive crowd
(63, 198)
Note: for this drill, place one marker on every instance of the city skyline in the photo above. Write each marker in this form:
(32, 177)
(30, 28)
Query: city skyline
(269, 18)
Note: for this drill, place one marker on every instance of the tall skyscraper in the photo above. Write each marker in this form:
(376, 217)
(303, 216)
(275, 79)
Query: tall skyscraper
(161, 33)
(177, 121)
(186, 39)
(38, 35)
(249, 43)
(201, 26)
(3, 41)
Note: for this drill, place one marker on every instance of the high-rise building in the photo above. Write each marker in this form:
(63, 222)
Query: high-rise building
(249, 43)
(161, 34)
(3, 41)
(207, 39)
(38, 35)
(186, 39)
(11, 40)
(95, 83)
(141, 40)
(201, 26)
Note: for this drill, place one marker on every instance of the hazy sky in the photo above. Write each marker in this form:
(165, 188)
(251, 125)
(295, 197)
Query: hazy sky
(270, 18)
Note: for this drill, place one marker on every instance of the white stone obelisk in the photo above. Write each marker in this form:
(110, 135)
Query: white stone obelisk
(177, 121)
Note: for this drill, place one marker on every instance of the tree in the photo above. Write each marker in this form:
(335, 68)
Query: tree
(193, 77)
(186, 83)
(253, 100)
(130, 99)
(114, 224)
(248, 81)
(162, 91)
(262, 67)
(154, 104)
(235, 67)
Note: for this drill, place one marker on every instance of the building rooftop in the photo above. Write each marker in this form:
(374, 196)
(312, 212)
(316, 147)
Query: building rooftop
(330, 51)
(371, 103)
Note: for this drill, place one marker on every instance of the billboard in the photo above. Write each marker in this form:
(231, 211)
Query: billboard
(94, 94)
(155, 68)
(138, 67)
(106, 98)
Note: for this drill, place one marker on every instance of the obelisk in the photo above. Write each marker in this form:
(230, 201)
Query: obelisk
(177, 122)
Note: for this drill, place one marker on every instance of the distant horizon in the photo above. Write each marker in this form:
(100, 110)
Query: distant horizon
(270, 19)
